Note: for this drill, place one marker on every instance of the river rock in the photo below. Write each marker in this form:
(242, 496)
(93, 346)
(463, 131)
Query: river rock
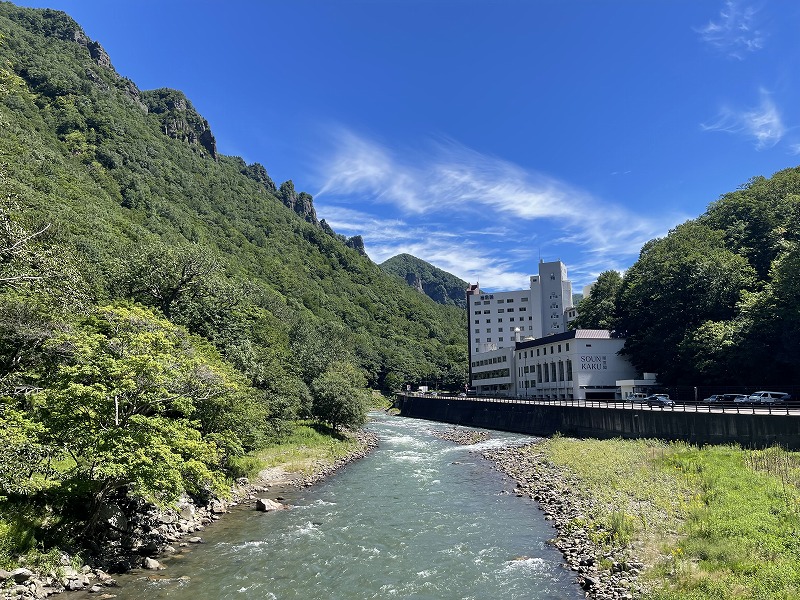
(151, 563)
(21, 575)
(266, 505)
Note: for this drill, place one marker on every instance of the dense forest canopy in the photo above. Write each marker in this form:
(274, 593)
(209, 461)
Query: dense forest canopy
(435, 283)
(715, 301)
(164, 308)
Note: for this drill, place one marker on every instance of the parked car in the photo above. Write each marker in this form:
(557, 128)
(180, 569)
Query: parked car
(714, 398)
(660, 400)
(637, 398)
(735, 398)
(767, 397)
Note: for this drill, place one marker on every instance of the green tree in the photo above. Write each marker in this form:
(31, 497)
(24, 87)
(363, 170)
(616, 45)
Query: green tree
(124, 388)
(169, 275)
(597, 311)
(679, 282)
(340, 397)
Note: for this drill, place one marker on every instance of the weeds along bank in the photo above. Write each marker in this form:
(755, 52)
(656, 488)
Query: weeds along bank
(134, 534)
(668, 521)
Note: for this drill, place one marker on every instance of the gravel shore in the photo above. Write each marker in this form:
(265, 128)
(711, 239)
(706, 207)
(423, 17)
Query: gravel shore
(605, 571)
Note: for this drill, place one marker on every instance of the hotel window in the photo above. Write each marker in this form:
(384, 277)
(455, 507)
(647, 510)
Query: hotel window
(510, 310)
(510, 300)
(477, 330)
(524, 300)
(527, 369)
(511, 319)
(486, 301)
(500, 320)
(500, 301)
(553, 371)
(560, 371)
(477, 341)
(569, 370)
(522, 308)
(500, 339)
(567, 346)
(530, 327)
(537, 352)
(499, 329)
(477, 321)
(488, 320)
(559, 347)
(487, 312)
(539, 374)
(501, 310)
(546, 374)
(488, 330)
(488, 339)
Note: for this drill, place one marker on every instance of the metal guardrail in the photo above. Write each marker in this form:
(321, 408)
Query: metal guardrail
(778, 409)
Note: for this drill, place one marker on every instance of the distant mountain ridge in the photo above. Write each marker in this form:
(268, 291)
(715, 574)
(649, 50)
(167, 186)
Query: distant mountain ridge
(440, 286)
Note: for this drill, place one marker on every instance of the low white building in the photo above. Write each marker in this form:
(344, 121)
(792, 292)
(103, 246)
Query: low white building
(579, 364)
(582, 364)
(493, 372)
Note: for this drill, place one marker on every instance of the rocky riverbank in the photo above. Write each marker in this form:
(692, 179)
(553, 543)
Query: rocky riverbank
(606, 571)
(460, 435)
(135, 535)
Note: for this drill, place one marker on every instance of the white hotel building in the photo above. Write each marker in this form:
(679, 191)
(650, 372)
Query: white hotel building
(520, 344)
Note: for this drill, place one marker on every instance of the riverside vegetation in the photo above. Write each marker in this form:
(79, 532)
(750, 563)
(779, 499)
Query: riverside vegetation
(668, 521)
(170, 318)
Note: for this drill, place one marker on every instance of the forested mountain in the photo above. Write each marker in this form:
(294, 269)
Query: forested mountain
(164, 308)
(716, 301)
(435, 283)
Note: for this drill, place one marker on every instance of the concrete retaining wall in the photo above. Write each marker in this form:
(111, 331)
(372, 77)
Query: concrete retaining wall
(748, 430)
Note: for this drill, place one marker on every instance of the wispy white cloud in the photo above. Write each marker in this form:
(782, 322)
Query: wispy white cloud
(458, 253)
(476, 216)
(734, 32)
(763, 124)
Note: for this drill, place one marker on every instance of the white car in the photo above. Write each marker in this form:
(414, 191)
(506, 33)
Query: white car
(766, 397)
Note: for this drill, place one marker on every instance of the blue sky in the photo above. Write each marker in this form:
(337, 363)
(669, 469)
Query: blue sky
(481, 136)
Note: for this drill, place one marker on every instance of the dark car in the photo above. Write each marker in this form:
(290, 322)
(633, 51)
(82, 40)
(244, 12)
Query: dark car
(714, 398)
(660, 400)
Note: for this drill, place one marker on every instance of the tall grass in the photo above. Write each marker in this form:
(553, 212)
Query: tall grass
(303, 450)
(717, 522)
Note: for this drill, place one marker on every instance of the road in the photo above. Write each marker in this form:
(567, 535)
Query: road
(746, 409)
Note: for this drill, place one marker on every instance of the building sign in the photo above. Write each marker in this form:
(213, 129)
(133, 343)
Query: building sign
(594, 362)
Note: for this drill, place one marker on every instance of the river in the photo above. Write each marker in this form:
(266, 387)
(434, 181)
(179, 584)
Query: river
(418, 518)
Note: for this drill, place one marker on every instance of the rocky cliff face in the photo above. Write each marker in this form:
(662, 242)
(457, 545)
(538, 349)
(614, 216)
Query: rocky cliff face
(179, 119)
(301, 203)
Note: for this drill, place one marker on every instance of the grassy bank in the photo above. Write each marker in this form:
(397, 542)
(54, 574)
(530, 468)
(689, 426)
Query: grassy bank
(308, 446)
(710, 523)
